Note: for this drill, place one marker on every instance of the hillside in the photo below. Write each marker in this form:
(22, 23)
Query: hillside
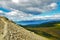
(11, 31)
(46, 24)
(50, 29)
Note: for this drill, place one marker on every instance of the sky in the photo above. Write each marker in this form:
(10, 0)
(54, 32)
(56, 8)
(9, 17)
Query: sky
(30, 10)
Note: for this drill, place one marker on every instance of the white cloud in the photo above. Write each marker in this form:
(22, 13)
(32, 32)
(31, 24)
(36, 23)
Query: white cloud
(53, 5)
(46, 17)
(36, 9)
(2, 13)
(42, 5)
(20, 7)
(45, 8)
(21, 16)
(18, 15)
(19, 1)
(15, 1)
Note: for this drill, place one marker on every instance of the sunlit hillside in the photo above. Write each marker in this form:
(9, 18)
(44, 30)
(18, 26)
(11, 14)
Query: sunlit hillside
(11, 31)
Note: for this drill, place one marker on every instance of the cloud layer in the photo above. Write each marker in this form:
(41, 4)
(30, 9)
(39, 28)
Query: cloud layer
(30, 5)
(21, 16)
(27, 9)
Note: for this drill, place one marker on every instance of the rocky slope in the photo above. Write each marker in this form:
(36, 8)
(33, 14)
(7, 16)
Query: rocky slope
(12, 31)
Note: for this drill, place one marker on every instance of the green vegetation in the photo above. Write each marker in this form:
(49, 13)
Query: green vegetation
(50, 29)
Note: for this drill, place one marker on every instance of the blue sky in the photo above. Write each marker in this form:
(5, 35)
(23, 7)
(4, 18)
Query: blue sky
(30, 10)
(5, 10)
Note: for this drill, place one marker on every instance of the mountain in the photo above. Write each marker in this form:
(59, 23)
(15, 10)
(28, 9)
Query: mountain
(11, 31)
(34, 22)
(44, 24)
(49, 29)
